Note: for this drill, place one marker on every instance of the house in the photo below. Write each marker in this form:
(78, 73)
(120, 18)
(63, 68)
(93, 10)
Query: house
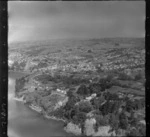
(91, 97)
(61, 91)
(88, 98)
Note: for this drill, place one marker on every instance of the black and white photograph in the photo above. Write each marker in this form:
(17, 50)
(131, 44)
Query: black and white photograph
(76, 68)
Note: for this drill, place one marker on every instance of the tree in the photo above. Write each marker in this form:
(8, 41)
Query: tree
(130, 105)
(94, 88)
(79, 118)
(133, 133)
(114, 122)
(138, 104)
(97, 112)
(138, 77)
(70, 104)
(70, 94)
(101, 120)
(82, 90)
(142, 130)
(106, 83)
(123, 121)
(117, 44)
(85, 107)
(115, 106)
(89, 51)
(96, 102)
(123, 76)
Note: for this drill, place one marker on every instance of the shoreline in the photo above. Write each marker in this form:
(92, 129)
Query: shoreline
(23, 72)
(54, 118)
(19, 99)
(31, 106)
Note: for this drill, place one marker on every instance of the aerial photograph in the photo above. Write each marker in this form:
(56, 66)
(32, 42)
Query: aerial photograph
(76, 68)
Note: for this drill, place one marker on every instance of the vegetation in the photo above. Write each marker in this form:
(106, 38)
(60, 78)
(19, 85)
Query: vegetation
(98, 85)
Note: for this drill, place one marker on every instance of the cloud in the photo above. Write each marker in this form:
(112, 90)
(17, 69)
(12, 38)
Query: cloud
(55, 19)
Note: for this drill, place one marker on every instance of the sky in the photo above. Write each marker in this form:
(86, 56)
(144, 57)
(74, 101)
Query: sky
(42, 20)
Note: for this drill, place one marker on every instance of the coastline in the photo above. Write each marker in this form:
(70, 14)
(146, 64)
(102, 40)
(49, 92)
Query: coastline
(36, 108)
(22, 72)
(39, 110)
(17, 74)
(19, 99)
(31, 106)
(54, 118)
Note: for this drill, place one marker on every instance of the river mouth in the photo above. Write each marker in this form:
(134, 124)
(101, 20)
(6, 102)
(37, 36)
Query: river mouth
(24, 122)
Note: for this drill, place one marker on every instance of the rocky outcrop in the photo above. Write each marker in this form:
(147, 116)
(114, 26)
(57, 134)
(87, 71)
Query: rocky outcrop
(89, 126)
(104, 131)
(73, 128)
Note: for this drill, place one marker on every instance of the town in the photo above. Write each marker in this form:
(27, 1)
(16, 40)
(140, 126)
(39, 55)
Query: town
(97, 89)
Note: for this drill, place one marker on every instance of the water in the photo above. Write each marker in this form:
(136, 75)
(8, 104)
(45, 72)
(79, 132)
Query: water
(24, 122)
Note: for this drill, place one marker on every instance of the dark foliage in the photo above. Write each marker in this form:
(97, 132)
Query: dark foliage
(123, 124)
(85, 107)
(89, 51)
(83, 90)
(114, 121)
(96, 102)
(79, 118)
(138, 77)
(20, 84)
(101, 120)
(94, 88)
(106, 83)
(123, 76)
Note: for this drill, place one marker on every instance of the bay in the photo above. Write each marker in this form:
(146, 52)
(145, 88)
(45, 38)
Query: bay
(24, 122)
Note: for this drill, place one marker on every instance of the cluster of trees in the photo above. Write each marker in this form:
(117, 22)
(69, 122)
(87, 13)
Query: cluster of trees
(107, 112)
(96, 102)
(75, 112)
(123, 76)
(44, 79)
(42, 64)
(20, 83)
(67, 80)
(18, 66)
(134, 104)
(109, 107)
(140, 130)
(106, 83)
(83, 90)
(98, 87)
(73, 81)
(106, 105)
(89, 51)
(138, 76)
